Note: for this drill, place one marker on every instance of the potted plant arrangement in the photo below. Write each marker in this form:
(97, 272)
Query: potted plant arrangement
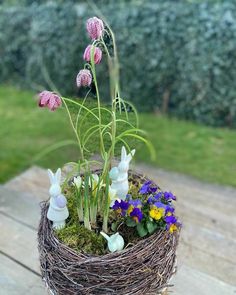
(108, 230)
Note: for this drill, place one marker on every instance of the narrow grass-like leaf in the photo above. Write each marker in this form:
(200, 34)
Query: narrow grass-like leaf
(82, 106)
(148, 143)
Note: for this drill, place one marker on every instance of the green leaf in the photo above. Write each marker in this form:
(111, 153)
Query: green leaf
(151, 227)
(130, 222)
(142, 231)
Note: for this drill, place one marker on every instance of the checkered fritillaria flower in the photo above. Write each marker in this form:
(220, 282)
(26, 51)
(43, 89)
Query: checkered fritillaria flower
(95, 28)
(84, 78)
(49, 99)
(96, 51)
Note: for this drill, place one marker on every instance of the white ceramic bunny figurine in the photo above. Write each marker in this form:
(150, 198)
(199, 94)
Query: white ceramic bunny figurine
(114, 242)
(119, 174)
(57, 211)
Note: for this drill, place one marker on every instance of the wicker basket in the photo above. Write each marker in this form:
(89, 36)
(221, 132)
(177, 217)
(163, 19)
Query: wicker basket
(145, 268)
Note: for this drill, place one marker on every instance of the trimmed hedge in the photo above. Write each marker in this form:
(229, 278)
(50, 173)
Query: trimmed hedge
(176, 56)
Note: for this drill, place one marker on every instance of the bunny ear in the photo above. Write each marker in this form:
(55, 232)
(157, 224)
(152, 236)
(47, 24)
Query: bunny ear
(130, 155)
(123, 153)
(133, 152)
(58, 175)
(51, 176)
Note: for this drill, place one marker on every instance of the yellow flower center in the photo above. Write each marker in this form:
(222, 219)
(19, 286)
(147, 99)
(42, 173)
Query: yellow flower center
(173, 227)
(130, 209)
(119, 211)
(157, 213)
(135, 218)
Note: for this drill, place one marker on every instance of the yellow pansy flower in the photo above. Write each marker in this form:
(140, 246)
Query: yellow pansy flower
(157, 213)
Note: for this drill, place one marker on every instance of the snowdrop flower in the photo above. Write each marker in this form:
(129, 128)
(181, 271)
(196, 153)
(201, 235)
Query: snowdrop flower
(77, 182)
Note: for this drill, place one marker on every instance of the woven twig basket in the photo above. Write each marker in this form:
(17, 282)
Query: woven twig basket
(145, 268)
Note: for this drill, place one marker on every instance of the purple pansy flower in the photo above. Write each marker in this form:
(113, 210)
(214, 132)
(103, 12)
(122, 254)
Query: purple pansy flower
(171, 223)
(136, 215)
(135, 203)
(168, 208)
(121, 207)
(153, 199)
(169, 196)
(148, 188)
(170, 219)
(158, 196)
(160, 205)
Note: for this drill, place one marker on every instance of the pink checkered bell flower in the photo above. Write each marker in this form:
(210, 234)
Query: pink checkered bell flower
(84, 78)
(49, 99)
(95, 28)
(97, 54)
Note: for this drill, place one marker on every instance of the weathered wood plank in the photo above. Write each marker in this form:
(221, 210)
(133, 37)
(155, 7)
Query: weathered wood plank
(20, 206)
(33, 181)
(16, 280)
(192, 214)
(191, 281)
(210, 242)
(190, 256)
(187, 188)
(20, 242)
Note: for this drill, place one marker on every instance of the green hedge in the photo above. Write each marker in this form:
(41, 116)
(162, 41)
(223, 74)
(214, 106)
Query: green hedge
(176, 56)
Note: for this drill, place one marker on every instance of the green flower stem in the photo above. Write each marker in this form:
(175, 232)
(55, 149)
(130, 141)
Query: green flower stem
(80, 210)
(95, 202)
(78, 114)
(106, 206)
(93, 69)
(74, 129)
(86, 203)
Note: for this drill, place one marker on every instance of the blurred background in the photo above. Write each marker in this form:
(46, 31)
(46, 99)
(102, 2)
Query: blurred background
(177, 64)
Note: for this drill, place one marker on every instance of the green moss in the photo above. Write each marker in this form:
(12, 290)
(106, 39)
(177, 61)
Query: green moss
(79, 238)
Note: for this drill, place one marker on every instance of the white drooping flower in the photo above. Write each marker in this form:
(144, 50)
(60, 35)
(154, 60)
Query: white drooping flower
(112, 196)
(77, 182)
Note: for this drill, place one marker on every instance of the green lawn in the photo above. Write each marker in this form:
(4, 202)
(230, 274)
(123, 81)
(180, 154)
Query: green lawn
(25, 130)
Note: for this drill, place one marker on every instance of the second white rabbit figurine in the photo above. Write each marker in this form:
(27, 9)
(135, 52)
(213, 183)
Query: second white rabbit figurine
(57, 211)
(119, 174)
